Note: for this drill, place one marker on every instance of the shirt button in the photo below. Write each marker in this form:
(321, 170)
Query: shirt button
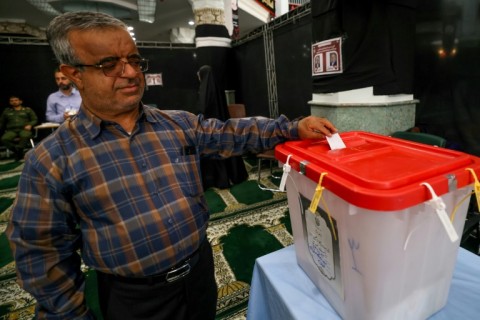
(170, 221)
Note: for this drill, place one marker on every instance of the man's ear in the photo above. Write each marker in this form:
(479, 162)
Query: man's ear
(73, 74)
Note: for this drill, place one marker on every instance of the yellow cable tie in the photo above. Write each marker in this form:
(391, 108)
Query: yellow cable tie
(454, 212)
(318, 194)
(476, 186)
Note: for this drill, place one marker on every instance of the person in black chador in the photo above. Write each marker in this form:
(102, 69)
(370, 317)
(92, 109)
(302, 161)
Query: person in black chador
(212, 103)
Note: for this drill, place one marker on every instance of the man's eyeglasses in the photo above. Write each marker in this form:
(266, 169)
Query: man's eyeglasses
(115, 67)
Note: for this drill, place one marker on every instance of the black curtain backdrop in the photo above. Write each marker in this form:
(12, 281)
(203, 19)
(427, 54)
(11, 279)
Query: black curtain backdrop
(377, 44)
(213, 104)
(217, 58)
(179, 73)
(248, 71)
(28, 71)
(292, 45)
(447, 87)
(293, 67)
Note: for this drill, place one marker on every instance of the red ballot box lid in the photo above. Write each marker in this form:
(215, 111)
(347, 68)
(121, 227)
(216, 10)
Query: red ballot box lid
(379, 172)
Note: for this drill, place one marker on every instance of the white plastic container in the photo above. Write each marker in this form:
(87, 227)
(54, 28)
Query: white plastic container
(376, 245)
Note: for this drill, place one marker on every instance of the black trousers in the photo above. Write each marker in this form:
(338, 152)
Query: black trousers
(193, 297)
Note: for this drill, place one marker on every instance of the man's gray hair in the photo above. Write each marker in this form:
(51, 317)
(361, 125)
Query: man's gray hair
(59, 28)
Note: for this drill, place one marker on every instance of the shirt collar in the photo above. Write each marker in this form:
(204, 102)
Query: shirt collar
(73, 93)
(94, 124)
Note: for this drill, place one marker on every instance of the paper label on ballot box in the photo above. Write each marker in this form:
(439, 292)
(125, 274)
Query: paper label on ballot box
(320, 244)
(323, 247)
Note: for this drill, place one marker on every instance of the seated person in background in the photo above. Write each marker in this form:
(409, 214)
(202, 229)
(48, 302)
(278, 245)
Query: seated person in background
(63, 103)
(17, 121)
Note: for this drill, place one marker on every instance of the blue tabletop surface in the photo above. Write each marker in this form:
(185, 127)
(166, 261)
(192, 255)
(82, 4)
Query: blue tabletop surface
(281, 290)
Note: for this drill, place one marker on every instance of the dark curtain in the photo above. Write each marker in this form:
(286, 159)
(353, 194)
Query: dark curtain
(377, 44)
(213, 104)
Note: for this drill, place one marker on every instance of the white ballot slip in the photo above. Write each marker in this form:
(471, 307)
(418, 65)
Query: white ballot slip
(335, 142)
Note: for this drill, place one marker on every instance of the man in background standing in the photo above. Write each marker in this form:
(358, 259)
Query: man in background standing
(17, 121)
(63, 103)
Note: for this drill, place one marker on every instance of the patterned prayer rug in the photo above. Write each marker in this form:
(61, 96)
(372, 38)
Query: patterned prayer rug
(246, 223)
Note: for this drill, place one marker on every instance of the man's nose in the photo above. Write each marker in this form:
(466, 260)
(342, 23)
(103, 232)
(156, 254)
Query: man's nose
(128, 70)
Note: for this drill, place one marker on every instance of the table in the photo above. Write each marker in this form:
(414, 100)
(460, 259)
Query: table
(281, 290)
(46, 125)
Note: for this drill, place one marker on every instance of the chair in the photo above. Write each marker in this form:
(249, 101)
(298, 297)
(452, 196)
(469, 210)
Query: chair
(268, 155)
(237, 110)
(421, 137)
(7, 151)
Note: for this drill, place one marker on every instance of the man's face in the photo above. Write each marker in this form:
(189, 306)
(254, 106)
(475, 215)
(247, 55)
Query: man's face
(103, 95)
(62, 82)
(15, 102)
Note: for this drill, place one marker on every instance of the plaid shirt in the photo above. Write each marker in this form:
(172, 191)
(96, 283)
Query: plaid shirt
(133, 203)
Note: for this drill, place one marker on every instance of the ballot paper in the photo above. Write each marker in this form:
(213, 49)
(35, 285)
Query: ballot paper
(335, 142)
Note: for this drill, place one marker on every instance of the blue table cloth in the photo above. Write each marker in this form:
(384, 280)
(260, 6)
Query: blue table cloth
(281, 290)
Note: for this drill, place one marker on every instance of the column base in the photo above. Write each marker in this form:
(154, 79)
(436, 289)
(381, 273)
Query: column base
(360, 110)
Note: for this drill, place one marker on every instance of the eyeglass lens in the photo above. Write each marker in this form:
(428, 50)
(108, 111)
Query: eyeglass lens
(117, 67)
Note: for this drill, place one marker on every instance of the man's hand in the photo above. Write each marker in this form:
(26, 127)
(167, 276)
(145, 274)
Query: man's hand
(313, 127)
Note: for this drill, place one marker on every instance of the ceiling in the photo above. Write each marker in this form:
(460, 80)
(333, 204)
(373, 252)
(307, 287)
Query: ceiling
(169, 14)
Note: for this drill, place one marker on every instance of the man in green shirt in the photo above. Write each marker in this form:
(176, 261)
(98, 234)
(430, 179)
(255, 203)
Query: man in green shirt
(17, 121)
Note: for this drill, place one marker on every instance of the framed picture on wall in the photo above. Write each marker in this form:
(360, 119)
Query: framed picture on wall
(327, 57)
(154, 79)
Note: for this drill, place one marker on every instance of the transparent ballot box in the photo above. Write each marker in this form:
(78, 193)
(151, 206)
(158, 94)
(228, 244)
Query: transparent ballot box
(377, 224)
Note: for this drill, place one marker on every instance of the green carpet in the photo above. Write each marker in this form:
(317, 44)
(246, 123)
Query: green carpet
(246, 223)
